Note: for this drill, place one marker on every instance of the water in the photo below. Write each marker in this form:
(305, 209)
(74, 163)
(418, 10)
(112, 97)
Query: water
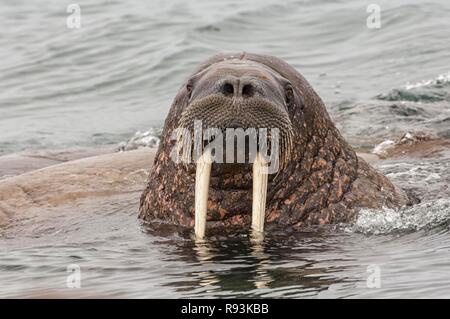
(117, 75)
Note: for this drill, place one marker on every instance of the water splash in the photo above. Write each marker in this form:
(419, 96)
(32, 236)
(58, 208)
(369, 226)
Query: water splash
(433, 90)
(141, 139)
(439, 81)
(408, 138)
(425, 215)
(382, 148)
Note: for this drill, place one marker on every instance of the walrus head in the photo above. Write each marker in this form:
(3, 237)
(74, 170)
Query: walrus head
(236, 94)
(316, 170)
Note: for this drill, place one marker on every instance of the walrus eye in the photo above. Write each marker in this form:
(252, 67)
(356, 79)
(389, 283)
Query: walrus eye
(189, 89)
(289, 95)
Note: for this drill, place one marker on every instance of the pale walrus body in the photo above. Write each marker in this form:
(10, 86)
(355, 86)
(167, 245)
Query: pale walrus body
(321, 180)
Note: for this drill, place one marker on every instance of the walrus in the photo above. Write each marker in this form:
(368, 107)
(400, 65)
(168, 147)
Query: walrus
(320, 179)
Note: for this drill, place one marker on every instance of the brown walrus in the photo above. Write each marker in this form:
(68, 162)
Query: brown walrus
(320, 180)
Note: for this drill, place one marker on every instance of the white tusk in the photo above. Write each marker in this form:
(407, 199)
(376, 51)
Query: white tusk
(260, 176)
(202, 177)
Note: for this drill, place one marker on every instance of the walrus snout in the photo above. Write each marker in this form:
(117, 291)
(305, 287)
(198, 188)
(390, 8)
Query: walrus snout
(253, 117)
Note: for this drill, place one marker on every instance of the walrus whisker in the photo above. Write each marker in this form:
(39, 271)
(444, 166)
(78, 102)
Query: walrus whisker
(260, 178)
(202, 177)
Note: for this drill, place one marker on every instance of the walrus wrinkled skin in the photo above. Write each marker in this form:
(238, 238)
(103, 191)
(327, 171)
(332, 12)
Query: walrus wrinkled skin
(322, 180)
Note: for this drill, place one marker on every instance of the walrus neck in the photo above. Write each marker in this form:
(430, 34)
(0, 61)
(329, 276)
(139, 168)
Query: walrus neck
(322, 171)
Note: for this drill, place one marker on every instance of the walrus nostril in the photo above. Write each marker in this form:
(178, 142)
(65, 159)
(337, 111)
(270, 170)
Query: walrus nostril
(228, 89)
(236, 88)
(247, 90)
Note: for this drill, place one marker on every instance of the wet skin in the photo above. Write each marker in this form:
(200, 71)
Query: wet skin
(321, 180)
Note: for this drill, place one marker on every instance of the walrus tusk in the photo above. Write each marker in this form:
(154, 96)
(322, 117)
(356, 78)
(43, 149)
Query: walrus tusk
(202, 177)
(260, 176)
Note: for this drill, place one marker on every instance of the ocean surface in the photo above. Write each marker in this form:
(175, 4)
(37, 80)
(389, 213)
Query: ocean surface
(113, 80)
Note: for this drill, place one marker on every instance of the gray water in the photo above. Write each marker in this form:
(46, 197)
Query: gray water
(117, 74)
